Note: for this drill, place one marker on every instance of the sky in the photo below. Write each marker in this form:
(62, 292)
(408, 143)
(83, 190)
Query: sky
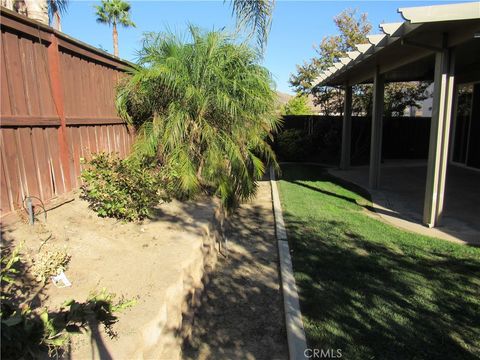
(296, 26)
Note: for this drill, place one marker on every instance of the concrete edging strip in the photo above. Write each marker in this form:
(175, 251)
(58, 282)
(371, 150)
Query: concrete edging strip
(297, 342)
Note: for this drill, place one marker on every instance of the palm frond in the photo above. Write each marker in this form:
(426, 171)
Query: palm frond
(255, 15)
(57, 6)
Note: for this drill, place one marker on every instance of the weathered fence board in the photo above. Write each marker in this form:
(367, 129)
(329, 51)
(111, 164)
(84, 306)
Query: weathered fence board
(57, 108)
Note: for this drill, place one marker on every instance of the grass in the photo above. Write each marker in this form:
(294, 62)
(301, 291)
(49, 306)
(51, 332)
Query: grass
(370, 289)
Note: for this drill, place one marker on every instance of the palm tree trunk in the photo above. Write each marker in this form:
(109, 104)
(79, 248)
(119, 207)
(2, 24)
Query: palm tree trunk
(8, 4)
(37, 10)
(57, 22)
(20, 7)
(115, 40)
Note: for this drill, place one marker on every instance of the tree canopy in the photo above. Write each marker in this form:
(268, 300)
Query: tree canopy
(113, 13)
(353, 28)
(297, 105)
(204, 108)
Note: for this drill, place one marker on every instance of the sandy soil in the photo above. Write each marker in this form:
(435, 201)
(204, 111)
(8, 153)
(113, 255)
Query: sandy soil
(158, 262)
(241, 316)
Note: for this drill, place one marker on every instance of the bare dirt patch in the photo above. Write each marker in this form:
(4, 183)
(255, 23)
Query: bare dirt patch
(159, 262)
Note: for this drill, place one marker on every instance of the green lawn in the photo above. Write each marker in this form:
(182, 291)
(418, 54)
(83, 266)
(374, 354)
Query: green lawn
(370, 289)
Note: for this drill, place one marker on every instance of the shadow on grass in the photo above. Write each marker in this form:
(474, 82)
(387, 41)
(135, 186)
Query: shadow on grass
(382, 298)
(366, 205)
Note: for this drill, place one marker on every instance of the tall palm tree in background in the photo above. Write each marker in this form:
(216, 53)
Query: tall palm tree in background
(256, 15)
(113, 12)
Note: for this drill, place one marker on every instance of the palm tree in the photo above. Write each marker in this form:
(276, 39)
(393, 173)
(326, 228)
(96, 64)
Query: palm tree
(37, 10)
(44, 11)
(7, 4)
(113, 12)
(255, 14)
(56, 8)
(204, 108)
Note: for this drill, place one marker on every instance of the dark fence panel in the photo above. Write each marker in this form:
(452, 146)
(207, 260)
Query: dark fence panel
(57, 107)
(403, 137)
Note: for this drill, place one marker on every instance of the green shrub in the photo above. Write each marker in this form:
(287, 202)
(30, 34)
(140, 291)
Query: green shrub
(294, 145)
(122, 189)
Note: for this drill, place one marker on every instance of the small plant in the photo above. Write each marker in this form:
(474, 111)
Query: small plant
(7, 269)
(122, 189)
(74, 317)
(20, 336)
(49, 263)
(27, 332)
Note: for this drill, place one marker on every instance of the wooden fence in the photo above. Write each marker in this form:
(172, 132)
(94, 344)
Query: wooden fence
(57, 107)
(404, 137)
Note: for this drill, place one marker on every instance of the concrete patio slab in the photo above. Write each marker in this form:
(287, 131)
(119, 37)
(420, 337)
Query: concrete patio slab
(400, 199)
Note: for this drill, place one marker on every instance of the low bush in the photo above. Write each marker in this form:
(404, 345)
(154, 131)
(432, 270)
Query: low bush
(306, 139)
(122, 189)
(293, 145)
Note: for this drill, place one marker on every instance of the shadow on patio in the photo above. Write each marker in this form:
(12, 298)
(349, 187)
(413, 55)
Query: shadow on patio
(400, 199)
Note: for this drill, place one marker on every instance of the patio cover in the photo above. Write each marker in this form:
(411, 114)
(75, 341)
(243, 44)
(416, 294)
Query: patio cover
(404, 50)
(439, 43)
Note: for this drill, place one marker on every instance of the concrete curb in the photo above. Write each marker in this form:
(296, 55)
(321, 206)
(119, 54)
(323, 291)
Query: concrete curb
(293, 317)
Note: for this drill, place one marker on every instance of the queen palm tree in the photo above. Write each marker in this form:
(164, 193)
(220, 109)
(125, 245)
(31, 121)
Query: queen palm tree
(204, 108)
(113, 12)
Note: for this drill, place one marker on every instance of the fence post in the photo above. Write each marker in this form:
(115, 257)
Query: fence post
(57, 93)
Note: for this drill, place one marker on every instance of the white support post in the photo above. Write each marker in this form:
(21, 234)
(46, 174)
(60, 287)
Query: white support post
(377, 128)
(346, 129)
(439, 137)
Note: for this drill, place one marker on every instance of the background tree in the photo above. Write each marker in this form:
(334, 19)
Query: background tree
(298, 105)
(113, 12)
(353, 29)
(204, 109)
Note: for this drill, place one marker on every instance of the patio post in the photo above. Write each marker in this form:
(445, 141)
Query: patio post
(439, 137)
(377, 126)
(346, 128)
